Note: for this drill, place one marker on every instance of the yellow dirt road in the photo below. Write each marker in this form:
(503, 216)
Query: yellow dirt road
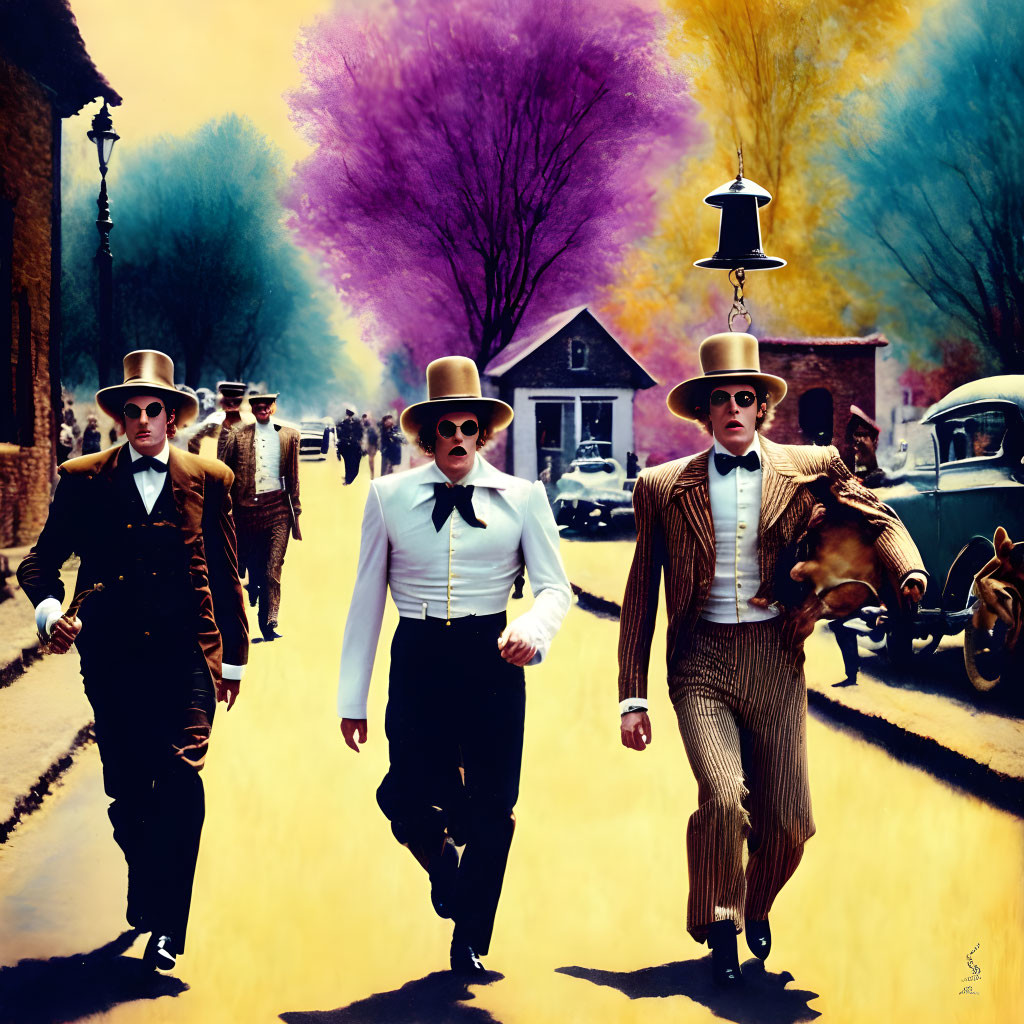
(305, 903)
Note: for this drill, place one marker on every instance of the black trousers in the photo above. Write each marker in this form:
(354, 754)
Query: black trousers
(352, 457)
(454, 703)
(140, 700)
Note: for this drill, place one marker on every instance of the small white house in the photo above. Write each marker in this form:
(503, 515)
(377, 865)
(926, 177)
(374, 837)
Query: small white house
(571, 382)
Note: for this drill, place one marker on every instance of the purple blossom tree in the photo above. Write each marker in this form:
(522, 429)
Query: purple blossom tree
(479, 165)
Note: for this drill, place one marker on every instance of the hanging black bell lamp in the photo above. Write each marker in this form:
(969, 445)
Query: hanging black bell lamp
(739, 233)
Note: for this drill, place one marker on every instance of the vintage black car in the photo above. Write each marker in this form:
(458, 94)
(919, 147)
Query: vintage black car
(962, 477)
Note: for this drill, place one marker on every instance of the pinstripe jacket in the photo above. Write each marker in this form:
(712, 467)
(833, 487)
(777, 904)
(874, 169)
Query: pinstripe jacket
(676, 535)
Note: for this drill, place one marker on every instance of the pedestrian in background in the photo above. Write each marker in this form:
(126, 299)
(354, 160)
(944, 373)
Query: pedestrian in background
(231, 394)
(391, 441)
(350, 443)
(92, 439)
(264, 457)
(371, 437)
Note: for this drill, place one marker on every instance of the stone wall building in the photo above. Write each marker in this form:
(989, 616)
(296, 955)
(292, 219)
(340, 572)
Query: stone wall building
(45, 76)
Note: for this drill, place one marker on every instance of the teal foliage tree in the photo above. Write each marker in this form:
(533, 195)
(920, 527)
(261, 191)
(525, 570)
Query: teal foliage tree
(204, 269)
(934, 230)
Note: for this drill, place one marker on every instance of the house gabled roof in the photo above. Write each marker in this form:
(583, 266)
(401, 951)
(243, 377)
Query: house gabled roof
(519, 350)
(41, 37)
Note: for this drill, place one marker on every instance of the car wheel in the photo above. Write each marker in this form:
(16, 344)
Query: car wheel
(985, 655)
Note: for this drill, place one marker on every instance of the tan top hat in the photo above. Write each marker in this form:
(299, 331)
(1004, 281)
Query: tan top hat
(724, 358)
(147, 371)
(454, 381)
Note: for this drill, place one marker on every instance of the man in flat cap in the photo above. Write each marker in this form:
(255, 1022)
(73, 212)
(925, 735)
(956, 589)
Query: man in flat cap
(450, 538)
(159, 622)
(716, 524)
(265, 459)
(231, 394)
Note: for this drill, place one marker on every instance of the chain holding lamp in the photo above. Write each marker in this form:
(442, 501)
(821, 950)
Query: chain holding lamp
(739, 236)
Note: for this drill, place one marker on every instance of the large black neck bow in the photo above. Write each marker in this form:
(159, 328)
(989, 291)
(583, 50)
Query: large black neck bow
(727, 463)
(145, 462)
(458, 496)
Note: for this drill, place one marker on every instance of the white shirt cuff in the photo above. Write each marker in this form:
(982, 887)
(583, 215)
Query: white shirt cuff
(632, 704)
(232, 672)
(48, 611)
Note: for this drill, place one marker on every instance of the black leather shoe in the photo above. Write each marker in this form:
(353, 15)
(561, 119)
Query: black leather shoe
(464, 960)
(725, 962)
(444, 872)
(159, 955)
(759, 938)
(269, 634)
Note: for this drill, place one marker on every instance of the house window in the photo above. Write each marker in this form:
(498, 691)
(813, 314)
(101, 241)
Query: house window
(577, 354)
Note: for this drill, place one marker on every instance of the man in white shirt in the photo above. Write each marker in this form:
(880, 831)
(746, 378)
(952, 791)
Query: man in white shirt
(716, 524)
(449, 538)
(162, 631)
(264, 457)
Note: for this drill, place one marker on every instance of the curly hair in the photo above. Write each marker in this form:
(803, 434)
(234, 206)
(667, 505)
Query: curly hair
(428, 429)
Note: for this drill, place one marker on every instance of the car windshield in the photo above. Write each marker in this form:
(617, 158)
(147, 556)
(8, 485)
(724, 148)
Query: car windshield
(313, 425)
(976, 435)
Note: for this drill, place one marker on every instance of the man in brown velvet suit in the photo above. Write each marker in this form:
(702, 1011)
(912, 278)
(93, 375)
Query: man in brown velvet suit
(715, 524)
(162, 632)
(265, 459)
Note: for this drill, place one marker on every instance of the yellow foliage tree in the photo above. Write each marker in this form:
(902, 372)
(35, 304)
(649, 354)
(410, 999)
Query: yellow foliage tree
(776, 76)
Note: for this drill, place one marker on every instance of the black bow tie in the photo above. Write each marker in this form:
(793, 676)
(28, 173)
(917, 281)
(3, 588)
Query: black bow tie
(727, 463)
(144, 462)
(446, 498)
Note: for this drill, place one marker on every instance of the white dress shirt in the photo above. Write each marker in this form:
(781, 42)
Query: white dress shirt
(736, 513)
(458, 571)
(150, 483)
(268, 458)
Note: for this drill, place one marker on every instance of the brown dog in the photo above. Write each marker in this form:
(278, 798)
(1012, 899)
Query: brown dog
(831, 570)
(1000, 589)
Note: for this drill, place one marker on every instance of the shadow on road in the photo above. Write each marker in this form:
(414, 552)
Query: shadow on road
(763, 998)
(71, 987)
(942, 673)
(439, 998)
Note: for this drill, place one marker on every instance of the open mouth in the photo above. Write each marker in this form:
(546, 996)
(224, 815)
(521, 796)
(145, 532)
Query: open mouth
(458, 450)
(733, 423)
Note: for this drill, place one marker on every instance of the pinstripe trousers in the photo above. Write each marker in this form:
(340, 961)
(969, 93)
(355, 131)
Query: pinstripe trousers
(741, 701)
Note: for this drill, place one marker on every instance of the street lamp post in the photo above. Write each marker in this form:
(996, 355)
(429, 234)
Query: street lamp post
(103, 137)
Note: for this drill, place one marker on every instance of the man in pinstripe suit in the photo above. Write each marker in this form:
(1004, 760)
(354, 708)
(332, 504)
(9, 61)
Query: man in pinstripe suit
(715, 524)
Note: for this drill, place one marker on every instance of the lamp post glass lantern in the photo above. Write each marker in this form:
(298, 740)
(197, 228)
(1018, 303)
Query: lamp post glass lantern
(103, 137)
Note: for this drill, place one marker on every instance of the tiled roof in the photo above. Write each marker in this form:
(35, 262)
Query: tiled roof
(42, 38)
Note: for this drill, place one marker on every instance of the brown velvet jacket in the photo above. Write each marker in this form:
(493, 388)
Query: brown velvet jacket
(240, 455)
(676, 535)
(78, 520)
